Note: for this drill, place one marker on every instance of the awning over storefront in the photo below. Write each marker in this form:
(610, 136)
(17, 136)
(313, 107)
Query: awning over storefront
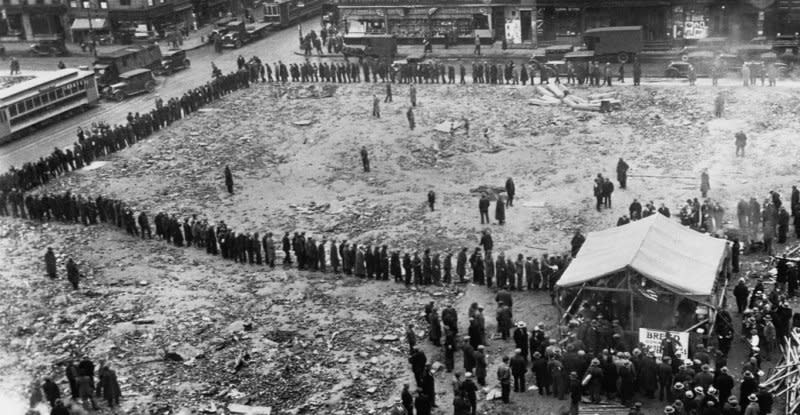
(89, 24)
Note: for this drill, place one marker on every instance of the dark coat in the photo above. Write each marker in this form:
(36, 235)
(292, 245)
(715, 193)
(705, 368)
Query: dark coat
(110, 385)
(50, 263)
(500, 210)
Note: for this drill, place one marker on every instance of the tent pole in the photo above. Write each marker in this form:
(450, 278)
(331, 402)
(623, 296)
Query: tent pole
(628, 274)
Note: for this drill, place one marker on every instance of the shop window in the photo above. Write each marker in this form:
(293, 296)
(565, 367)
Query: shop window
(86, 4)
(73, 4)
(150, 3)
(104, 5)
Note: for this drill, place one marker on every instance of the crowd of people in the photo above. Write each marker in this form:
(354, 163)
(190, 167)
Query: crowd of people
(84, 386)
(591, 359)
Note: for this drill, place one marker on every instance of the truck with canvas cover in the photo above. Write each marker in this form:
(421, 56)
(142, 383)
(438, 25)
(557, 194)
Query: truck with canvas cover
(238, 33)
(621, 43)
(109, 66)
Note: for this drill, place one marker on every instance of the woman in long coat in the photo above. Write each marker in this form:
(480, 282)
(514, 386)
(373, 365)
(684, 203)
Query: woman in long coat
(500, 210)
(111, 390)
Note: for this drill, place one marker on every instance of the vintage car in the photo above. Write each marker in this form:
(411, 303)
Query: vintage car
(132, 82)
(172, 61)
(677, 69)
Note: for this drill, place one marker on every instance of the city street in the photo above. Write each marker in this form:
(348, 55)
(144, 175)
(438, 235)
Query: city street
(278, 45)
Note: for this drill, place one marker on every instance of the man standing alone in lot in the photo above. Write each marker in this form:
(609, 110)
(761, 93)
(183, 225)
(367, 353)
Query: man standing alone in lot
(376, 106)
(741, 142)
(483, 207)
(637, 72)
(229, 179)
(622, 173)
(477, 50)
(365, 159)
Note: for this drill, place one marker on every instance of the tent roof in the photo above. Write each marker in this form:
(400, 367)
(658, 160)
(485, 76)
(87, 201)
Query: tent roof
(671, 255)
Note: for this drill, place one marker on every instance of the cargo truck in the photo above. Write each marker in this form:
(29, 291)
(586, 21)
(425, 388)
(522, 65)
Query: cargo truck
(621, 43)
(108, 67)
(238, 33)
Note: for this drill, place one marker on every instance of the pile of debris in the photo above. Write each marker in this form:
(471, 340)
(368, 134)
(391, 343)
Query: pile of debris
(785, 378)
(556, 95)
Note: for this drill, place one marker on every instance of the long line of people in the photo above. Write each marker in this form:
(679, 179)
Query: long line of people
(364, 261)
(102, 139)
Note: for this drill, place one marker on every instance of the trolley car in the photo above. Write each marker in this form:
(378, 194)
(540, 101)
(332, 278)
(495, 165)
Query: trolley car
(284, 13)
(45, 99)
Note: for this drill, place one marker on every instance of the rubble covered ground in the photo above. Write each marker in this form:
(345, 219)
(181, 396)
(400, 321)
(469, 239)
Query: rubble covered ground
(301, 342)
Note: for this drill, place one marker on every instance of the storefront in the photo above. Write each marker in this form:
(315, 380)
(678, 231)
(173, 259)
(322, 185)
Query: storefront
(416, 22)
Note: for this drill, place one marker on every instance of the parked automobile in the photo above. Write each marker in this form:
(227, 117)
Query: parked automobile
(49, 47)
(132, 82)
(677, 69)
(172, 61)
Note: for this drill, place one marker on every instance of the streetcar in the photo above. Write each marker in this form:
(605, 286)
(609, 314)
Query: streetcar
(44, 99)
(284, 13)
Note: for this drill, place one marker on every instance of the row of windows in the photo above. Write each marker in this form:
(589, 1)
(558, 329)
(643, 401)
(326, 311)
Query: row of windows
(271, 10)
(43, 110)
(46, 98)
(9, 2)
(102, 4)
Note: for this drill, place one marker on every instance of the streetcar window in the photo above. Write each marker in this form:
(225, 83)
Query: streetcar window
(28, 104)
(20, 108)
(37, 101)
(44, 99)
(52, 95)
(12, 110)
(60, 92)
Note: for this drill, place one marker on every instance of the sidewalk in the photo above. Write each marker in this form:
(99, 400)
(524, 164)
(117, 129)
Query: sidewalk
(193, 41)
(494, 51)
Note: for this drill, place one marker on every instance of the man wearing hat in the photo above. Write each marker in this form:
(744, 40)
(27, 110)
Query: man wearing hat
(480, 365)
(724, 383)
(504, 376)
(429, 385)
(765, 400)
(418, 361)
(470, 390)
(521, 338)
(664, 374)
(469, 354)
(704, 379)
(748, 387)
(594, 380)
(731, 407)
(575, 393)
(518, 368)
(669, 409)
(539, 369)
(752, 407)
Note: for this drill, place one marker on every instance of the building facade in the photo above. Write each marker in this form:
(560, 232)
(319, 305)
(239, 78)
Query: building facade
(541, 22)
(111, 19)
(31, 19)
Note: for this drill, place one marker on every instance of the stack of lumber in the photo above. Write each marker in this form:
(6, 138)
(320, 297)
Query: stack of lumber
(556, 95)
(785, 377)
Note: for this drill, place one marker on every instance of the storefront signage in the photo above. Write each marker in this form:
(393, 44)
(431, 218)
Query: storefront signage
(654, 339)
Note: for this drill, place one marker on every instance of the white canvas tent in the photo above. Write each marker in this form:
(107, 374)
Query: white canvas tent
(674, 258)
